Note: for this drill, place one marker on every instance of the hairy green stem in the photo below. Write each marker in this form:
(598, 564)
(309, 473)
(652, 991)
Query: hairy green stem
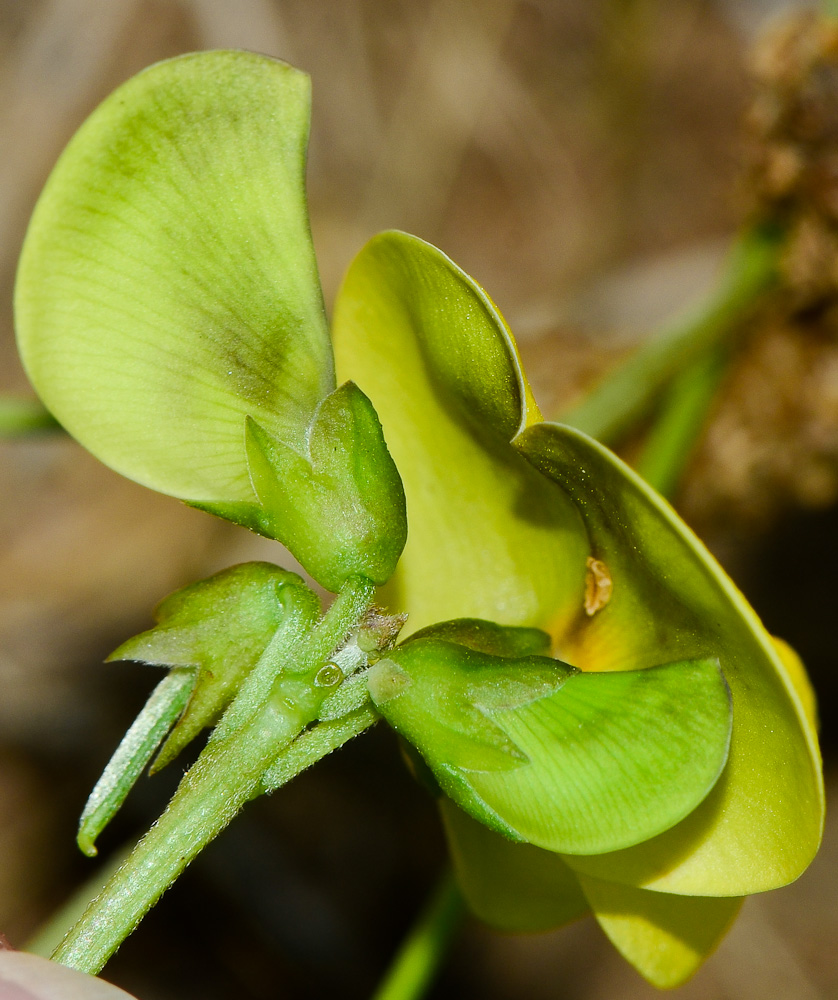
(210, 795)
(623, 397)
(426, 945)
(226, 775)
(52, 932)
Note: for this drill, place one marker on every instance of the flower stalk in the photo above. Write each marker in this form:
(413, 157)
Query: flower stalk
(225, 776)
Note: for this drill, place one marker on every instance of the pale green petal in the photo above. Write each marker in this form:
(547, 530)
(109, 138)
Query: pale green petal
(168, 286)
(488, 537)
(514, 887)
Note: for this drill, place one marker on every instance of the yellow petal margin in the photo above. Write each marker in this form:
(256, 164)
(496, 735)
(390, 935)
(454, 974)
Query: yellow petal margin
(514, 887)
(668, 599)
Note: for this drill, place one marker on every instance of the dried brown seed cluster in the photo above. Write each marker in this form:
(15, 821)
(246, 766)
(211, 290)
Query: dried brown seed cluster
(793, 127)
(773, 442)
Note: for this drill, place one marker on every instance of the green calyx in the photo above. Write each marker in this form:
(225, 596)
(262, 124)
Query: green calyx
(243, 642)
(219, 627)
(339, 506)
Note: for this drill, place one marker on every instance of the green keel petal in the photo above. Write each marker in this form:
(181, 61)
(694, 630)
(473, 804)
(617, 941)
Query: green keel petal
(168, 286)
(488, 536)
(761, 825)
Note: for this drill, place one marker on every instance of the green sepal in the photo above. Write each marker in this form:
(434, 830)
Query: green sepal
(168, 287)
(219, 626)
(314, 743)
(542, 753)
(440, 697)
(339, 508)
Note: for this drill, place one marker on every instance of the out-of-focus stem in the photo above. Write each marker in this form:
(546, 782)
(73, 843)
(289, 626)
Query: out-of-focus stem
(23, 416)
(50, 934)
(680, 420)
(426, 945)
(624, 396)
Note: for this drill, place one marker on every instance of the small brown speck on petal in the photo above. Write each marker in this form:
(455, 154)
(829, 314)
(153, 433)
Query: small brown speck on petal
(598, 586)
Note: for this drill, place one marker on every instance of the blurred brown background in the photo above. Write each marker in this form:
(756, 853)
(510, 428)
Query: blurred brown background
(583, 159)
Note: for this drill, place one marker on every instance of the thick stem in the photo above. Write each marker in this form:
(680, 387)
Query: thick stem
(422, 952)
(624, 396)
(227, 774)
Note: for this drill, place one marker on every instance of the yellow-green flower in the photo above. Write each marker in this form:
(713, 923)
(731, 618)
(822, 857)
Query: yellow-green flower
(529, 523)
(170, 315)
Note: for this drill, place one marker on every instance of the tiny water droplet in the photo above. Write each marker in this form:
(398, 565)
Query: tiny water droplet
(328, 675)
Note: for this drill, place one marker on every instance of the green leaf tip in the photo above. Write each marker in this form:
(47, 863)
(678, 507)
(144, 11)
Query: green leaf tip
(167, 287)
(572, 762)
